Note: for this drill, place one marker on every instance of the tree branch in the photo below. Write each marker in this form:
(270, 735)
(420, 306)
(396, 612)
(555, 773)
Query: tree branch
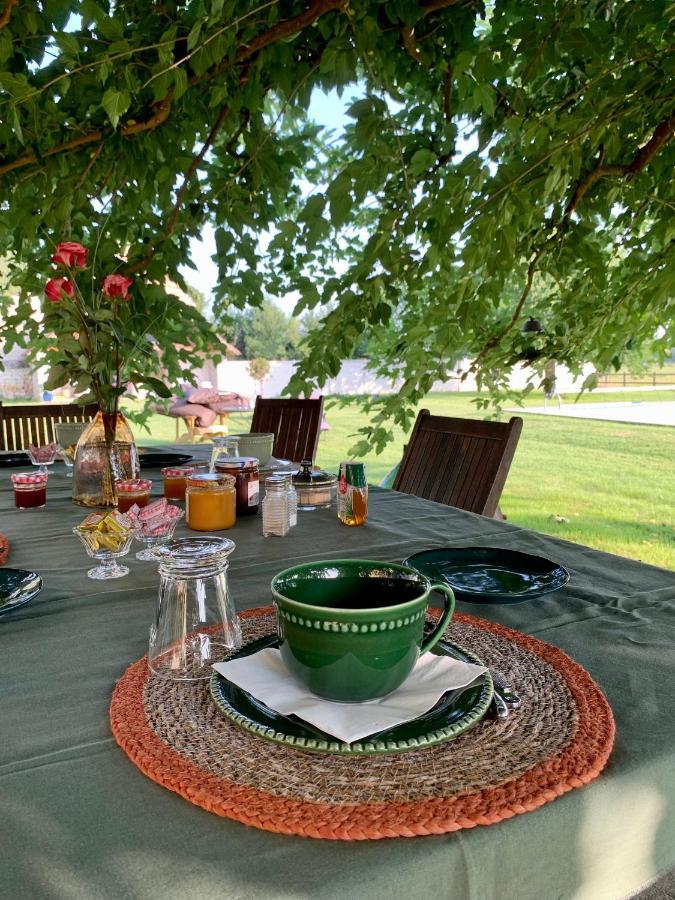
(6, 14)
(278, 32)
(495, 339)
(180, 196)
(663, 133)
(447, 95)
(410, 43)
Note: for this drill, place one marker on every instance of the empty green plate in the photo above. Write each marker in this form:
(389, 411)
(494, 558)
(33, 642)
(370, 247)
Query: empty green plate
(490, 574)
(455, 712)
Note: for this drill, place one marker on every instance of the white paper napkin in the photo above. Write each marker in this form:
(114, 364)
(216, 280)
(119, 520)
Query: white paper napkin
(265, 676)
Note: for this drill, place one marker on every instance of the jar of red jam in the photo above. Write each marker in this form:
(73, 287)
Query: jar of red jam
(30, 489)
(133, 490)
(175, 480)
(245, 470)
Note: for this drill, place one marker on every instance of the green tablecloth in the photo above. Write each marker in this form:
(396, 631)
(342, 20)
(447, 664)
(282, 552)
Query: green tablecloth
(78, 820)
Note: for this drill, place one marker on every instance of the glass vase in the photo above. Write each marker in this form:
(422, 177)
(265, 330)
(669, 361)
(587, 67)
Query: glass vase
(105, 453)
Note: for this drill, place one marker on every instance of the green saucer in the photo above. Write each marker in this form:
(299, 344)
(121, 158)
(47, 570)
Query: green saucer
(490, 574)
(455, 712)
(17, 587)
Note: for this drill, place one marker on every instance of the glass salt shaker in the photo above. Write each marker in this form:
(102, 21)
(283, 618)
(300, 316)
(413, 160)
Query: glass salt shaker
(196, 623)
(275, 507)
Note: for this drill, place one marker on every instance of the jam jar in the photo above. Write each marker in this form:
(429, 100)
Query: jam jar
(132, 491)
(245, 471)
(30, 489)
(210, 501)
(175, 481)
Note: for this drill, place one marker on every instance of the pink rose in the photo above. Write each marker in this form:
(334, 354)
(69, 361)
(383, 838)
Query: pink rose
(71, 254)
(117, 286)
(56, 288)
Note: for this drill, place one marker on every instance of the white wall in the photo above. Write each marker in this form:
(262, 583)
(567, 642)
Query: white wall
(355, 378)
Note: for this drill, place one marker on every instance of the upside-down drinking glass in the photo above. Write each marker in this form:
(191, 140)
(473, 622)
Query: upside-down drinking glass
(196, 623)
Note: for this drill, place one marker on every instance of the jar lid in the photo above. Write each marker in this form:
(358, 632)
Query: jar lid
(133, 485)
(177, 471)
(305, 477)
(189, 553)
(238, 463)
(36, 479)
(210, 480)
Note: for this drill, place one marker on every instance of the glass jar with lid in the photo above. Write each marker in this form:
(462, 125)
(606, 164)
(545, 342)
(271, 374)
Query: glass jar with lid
(196, 623)
(175, 481)
(245, 471)
(315, 489)
(210, 501)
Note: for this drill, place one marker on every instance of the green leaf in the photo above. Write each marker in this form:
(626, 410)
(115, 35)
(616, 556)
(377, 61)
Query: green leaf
(154, 384)
(115, 103)
(422, 160)
(68, 44)
(180, 80)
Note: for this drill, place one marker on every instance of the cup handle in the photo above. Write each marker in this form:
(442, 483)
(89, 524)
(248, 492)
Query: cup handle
(444, 620)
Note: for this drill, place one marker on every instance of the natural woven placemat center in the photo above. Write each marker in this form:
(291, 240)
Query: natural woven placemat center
(558, 740)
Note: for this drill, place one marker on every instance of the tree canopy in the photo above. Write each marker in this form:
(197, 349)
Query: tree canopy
(502, 160)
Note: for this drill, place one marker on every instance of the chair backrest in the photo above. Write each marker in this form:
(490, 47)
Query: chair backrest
(459, 462)
(296, 425)
(27, 424)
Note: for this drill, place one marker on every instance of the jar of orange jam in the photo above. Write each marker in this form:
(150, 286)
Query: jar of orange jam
(175, 478)
(210, 501)
(132, 491)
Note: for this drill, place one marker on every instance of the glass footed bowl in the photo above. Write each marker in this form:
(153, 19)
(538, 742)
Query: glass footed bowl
(42, 458)
(107, 556)
(154, 540)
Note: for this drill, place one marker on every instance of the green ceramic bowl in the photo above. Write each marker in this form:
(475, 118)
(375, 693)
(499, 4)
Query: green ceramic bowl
(352, 629)
(256, 443)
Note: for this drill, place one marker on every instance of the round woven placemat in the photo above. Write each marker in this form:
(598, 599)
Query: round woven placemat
(558, 740)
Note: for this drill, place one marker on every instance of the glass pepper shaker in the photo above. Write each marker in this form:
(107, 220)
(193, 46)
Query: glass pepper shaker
(292, 501)
(275, 507)
(196, 623)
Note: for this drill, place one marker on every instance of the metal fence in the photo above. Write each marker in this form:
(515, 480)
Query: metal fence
(647, 379)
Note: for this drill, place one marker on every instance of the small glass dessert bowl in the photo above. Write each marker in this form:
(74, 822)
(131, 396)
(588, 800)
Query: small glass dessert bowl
(42, 456)
(105, 539)
(155, 531)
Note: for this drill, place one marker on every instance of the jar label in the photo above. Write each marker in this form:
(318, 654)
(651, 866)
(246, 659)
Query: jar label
(253, 492)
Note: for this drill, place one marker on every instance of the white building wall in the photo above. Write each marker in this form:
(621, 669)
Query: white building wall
(355, 378)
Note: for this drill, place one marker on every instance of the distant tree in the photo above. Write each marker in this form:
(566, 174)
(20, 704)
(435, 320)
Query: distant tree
(197, 297)
(259, 369)
(267, 332)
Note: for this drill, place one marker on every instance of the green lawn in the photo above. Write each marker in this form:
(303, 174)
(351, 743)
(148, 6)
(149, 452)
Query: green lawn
(613, 483)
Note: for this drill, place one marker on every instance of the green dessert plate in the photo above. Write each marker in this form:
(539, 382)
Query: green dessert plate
(17, 587)
(455, 712)
(490, 574)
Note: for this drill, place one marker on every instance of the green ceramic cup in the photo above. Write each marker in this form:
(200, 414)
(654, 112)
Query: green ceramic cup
(352, 629)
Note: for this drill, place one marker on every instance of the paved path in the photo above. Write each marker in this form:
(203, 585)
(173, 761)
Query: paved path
(641, 412)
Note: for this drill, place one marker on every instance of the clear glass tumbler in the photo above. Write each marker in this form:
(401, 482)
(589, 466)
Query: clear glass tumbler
(196, 623)
(223, 448)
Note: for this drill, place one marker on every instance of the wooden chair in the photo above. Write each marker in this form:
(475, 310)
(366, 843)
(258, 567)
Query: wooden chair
(459, 462)
(296, 425)
(24, 425)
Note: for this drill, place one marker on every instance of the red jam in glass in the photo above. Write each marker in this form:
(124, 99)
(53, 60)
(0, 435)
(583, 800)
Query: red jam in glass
(175, 481)
(133, 490)
(30, 489)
